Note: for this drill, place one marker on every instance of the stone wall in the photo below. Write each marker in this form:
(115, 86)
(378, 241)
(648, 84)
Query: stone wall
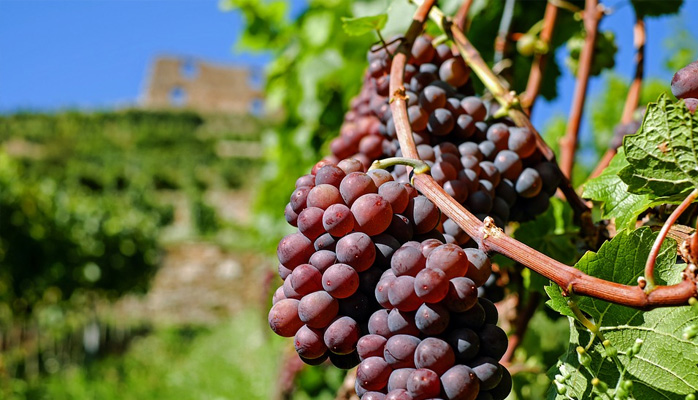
(200, 86)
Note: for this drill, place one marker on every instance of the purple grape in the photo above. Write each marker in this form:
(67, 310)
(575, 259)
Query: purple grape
(371, 345)
(323, 196)
(684, 84)
(449, 258)
(434, 354)
(355, 185)
(432, 319)
(283, 318)
(488, 371)
(325, 242)
(323, 259)
(340, 280)
(441, 122)
(423, 384)
(309, 343)
(317, 309)
(407, 261)
(402, 295)
(342, 335)
(461, 383)
(431, 285)
(402, 323)
(329, 174)
(337, 220)
(398, 378)
(462, 294)
(465, 343)
(294, 250)
(480, 266)
(423, 214)
(373, 373)
(372, 214)
(356, 249)
(493, 341)
(529, 183)
(305, 279)
(400, 351)
(378, 323)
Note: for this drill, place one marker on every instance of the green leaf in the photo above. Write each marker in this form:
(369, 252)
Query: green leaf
(551, 233)
(644, 8)
(363, 25)
(609, 190)
(666, 366)
(663, 155)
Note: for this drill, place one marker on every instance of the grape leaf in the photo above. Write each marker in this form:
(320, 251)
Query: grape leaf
(663, 155)
(644, 8)
(667, 365)
(612, 193)
(552, 234)
(363, 25)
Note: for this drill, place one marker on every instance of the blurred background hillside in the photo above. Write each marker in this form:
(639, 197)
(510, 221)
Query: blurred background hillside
(147, 150)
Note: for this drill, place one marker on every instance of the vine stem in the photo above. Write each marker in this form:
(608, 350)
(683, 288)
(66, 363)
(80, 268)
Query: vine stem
(461, 17)
(535, 77)
(568, 144)
(490, 237)
(523, 317)
(509, 101)
(654, 252)
(500, 43)
(632, 100)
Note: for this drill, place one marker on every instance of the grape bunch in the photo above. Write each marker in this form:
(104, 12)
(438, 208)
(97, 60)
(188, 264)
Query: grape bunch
(367, 275)
(684, 85)
(490, 166)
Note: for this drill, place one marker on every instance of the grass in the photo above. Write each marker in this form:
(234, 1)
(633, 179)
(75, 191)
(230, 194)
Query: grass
(239, 359)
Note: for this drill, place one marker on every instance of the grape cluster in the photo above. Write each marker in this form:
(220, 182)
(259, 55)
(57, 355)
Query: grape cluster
(368, 273)
(490, 166)
(684, 85)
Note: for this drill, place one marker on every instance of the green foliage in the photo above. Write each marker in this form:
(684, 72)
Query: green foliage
(316, 70)
(485, 17)
(612, 193)
(82, 201)
(65, 238)
(552, 232)
(606, 108)
(363, 25)
(682, 48)
(654, 371)
(662, 156)
(605, 50)
(236, 360)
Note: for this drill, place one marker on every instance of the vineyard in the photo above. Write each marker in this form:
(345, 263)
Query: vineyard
(92, 205)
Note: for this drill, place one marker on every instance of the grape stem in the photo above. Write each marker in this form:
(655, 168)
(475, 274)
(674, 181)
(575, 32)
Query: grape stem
(654, 252)
(491, 238)
(632, 100)
(535, 77)
(568, 144)
(419, 166)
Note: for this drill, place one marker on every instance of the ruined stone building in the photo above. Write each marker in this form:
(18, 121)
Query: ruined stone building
(176, 82)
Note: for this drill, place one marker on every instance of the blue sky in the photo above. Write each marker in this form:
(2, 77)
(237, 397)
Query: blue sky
(95, 53)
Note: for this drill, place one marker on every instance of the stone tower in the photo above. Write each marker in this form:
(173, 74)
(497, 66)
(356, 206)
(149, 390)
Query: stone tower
(180, 82)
